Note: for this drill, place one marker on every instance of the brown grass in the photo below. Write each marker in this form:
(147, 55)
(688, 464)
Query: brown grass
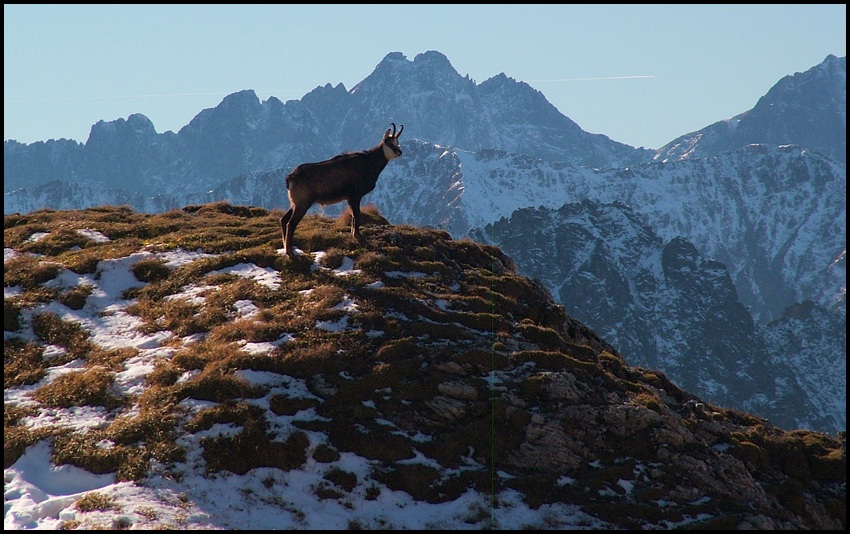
(52, 329)
(489, 319)
(22, 362)
(79, 388)
(93, 501)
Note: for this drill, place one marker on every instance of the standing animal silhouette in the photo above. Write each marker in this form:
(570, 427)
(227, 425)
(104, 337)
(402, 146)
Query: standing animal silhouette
(348, 176)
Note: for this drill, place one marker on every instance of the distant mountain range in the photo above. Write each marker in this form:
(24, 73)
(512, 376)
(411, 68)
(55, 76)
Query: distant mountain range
(743, 222)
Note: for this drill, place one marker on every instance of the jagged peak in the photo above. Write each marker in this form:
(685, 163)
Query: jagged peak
(327, 89)
(140, 122)
(273, 101)
(432, 58)
(832, 68)
(682, 250)
(244, 104)
(393, 57)
(505, 82)
(393, 64)
(136, 123)
(834, 63)
(246, 97)
(501, 77)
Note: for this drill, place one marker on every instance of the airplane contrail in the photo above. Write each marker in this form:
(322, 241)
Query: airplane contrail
(600, 78)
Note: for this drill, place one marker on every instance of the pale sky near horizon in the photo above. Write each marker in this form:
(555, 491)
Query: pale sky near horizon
(641, 74)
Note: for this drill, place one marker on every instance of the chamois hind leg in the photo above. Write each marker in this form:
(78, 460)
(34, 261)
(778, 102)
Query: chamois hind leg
(283, 221)
(294, 219)
(354, 204)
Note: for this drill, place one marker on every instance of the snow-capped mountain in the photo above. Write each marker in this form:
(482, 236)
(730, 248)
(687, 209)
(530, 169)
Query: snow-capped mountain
(436, 104)
(242, 134)
(770, 208)
(667, 307)
(774, 215)
(807, 109)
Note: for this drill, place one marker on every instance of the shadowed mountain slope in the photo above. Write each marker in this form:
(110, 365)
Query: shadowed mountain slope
(665, 306)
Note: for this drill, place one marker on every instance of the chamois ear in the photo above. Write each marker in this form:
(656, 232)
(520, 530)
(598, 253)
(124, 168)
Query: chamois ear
(387, 134)
(399, 131)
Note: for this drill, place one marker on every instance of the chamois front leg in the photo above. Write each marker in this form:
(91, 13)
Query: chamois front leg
(354, 204)
(297, 214)
(283, 222)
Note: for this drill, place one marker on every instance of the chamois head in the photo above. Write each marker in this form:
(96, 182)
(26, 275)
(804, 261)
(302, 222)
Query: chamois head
(390, 143)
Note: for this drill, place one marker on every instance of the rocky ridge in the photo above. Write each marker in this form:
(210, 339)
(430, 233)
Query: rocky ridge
(428, 358)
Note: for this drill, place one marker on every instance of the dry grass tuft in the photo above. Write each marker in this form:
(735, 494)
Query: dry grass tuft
(11, 316)
(254, 447)
(370, 215)
(215, 386)
(17, 437)
(416, 479)
(29, 272)
(151, 270)
(52, 329)
(80, 388)
(75, 298)
(22, 362)
(341, 478)
(94, 501)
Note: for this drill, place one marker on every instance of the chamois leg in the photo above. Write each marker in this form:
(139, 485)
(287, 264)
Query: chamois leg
(283, 221)
(354, 204)
(294, 219)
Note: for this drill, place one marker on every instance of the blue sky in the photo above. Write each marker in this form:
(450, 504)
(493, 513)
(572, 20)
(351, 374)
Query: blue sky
(640, 74)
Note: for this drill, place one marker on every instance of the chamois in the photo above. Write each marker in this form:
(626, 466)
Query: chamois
(349, 176)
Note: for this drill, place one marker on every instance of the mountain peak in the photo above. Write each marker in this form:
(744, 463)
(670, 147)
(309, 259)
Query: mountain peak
(394, 57)
(136, 125)
(396, 65)
(832, 59)
(244, 98)
(140, 123)
(236, 109)
(807, 109)
(834, 65)
(432, 57)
